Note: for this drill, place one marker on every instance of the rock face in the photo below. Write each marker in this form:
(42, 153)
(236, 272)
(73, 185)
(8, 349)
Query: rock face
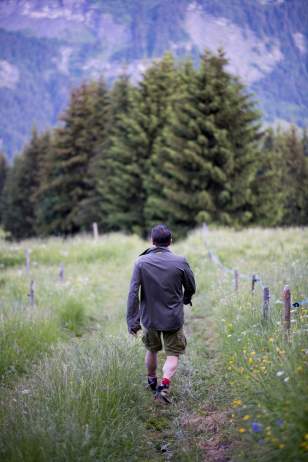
(49, 46)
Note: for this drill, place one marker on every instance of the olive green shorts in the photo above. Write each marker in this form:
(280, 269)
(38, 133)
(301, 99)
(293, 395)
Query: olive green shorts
(174, 341)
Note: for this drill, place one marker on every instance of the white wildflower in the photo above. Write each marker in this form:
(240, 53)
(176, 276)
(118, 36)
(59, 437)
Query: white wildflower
(25, 391)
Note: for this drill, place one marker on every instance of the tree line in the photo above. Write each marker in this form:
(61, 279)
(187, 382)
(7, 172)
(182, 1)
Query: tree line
(183, 146)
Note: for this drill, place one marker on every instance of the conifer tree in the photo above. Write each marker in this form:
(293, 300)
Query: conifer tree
(133, 144)
(70, 189)
(305, 142)
(154, 209)
(295, 178)
(115, 163)
(3, 175)
(13, 217)
(21, 189)
(268, 187)
(209, 159)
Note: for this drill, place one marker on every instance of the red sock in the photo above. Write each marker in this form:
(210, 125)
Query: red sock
(165, 381)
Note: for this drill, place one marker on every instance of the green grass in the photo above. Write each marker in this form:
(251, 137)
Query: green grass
(73, 380)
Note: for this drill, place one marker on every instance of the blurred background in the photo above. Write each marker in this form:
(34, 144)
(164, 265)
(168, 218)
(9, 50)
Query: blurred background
(126, 113)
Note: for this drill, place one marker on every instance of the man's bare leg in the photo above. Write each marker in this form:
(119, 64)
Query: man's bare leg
(151, 365)
(170, 366)
(169, 370)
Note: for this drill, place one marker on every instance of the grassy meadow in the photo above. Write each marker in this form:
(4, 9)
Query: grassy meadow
(72, 379)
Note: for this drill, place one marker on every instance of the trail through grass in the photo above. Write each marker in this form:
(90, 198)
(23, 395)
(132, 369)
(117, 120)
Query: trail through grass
(73, 380)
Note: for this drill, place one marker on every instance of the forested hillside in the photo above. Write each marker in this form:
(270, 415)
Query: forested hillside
(48, 47)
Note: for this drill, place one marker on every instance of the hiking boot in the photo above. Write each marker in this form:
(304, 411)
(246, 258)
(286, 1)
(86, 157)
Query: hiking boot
(162, 394)
(152, 384)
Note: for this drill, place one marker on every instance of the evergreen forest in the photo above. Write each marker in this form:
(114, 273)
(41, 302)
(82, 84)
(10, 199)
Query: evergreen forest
(184, 146)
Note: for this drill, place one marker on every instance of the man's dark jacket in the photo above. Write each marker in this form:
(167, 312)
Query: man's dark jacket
(167, 283)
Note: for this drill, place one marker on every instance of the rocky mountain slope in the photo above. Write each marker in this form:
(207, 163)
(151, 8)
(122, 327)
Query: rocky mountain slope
(49, 46)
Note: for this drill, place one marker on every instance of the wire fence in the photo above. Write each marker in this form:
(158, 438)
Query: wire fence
(255, 279)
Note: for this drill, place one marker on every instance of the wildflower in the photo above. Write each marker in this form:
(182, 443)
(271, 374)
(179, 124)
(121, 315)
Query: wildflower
(250, 360)
(304, 445)
(246, 417)
(236, 403)
(242, 430)
(279, 422)
(279, 373)
(271, 339)
(25, 392)
(281, 445)
(256, 427)
(253, 353)
(286, 379)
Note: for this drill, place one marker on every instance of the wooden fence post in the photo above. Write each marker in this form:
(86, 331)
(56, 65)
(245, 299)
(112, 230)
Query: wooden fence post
(236, 279)
(253, 283)
(95, 230)
(31, 294)
(287, 309)
(61, 272)
(27, 255)
(266, 299)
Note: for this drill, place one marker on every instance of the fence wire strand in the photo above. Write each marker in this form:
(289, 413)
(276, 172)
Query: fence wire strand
(257, 279)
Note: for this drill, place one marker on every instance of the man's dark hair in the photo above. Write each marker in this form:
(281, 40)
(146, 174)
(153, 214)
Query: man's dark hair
(161, 235)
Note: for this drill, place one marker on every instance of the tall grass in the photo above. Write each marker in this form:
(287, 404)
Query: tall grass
(86, 403)
(77, 381)
(266, 372)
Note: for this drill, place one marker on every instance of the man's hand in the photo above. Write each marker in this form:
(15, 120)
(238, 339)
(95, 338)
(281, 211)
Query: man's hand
(187, 301)
(133, 330)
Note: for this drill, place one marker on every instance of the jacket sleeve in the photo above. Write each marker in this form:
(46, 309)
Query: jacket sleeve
(188, 284)
(133, 315)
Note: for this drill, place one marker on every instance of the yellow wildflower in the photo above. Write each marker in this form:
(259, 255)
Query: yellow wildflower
(236, 403)
(253, 353)
(246, 417)
(304, 445)
(242, 430)
(250, 360)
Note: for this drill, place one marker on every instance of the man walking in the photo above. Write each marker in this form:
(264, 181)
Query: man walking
(167, 283)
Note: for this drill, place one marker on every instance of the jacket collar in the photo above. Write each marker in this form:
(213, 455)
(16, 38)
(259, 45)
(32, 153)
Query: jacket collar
(155, 249)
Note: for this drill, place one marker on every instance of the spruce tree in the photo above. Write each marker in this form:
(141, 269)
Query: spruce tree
(115, 163)
(13, 217)
(295, 178)
(209, 159)
(70, 188)
(305, 142)
(133, 143)
(21, 190)
(3, 175)
(154, 210)
(268, 188)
